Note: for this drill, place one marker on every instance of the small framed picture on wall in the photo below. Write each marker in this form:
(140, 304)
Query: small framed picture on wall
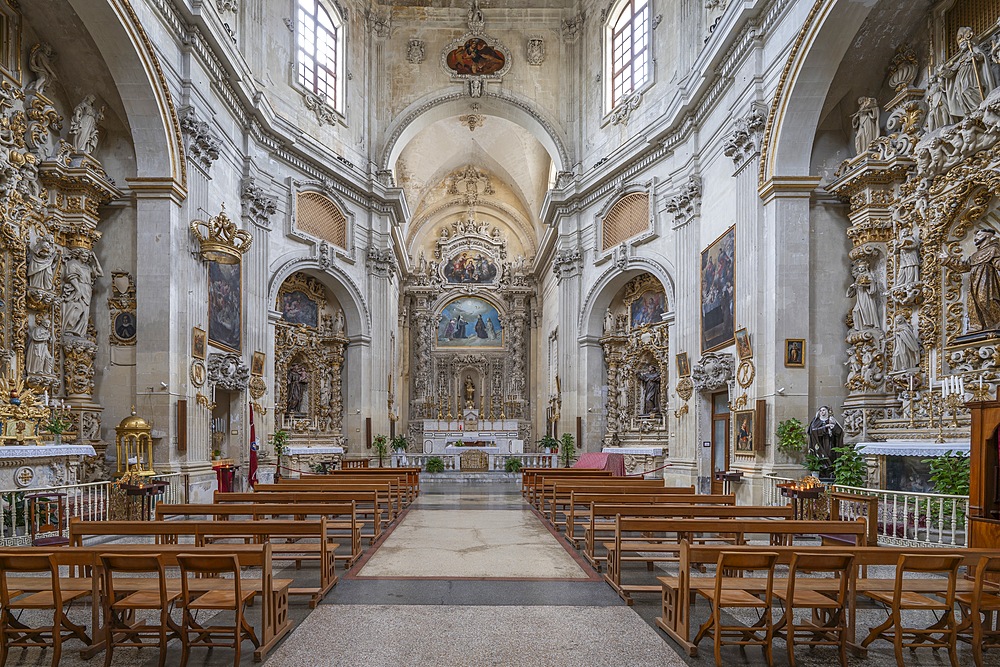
(199, 343)
(683, 365)
(795, 352)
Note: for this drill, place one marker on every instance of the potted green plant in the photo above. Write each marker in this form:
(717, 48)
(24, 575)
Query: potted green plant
(381, 445)
(791, 436)
(216, 454)
(568, 449)
(279, 441)
(435, 464)
(513, 464)
(400, 444)
(460, 443)
(548, 444)
(849, 468)
(57, 425)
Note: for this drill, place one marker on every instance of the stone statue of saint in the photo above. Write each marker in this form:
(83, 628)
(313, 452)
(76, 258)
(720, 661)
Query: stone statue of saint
(825, 435)
(79, 275)
(972, 77)
(609, 322)
(38, 360)
(865, 290)
(338, 321)
(650, 389)
(41, 263)
(937, 102)
(40, 63)
(470, 392)
(865, 123)
(905, 345)
(298, 381)
(983, 266)
(909, 260)
(83, 126)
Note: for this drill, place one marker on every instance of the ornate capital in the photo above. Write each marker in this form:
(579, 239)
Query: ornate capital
(687, 204)
(228, 371)
(567, 263)
(381, 262)
(203, 143)
(257, 205)
(743, 143)
(713, 371)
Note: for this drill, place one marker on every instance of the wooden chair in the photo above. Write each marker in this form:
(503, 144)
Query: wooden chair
(981, 609)
(726, 594)
(234, 599)
(828, 625)
(13, 633)
(46, 514)
(900, 599)
(120, 605)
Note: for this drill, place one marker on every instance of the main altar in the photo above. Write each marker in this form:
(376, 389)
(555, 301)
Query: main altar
(490, 436)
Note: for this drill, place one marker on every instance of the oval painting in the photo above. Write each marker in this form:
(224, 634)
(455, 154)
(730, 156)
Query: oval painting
(476, 57)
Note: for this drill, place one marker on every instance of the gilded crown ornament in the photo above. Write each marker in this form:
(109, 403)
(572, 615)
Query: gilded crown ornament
(220, 239)
(21, 414)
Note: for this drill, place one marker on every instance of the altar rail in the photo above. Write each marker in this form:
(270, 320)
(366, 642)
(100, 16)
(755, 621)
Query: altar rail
(496, 462)
(904, 518)
(89, 502)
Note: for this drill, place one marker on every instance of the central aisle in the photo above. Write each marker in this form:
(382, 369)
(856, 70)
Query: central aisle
(471, 576)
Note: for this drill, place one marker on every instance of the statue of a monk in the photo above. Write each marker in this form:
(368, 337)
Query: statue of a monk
(983, 267)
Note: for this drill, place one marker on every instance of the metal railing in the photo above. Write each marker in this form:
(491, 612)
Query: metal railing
(905, 518)
(89, 501)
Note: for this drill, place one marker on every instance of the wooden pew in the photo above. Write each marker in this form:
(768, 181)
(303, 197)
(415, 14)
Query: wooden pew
(366, 504)
(603, 516)
(558, 494)
(528, 475)
(209, 532)
(676, 590)
(297, 511)
(581, 503)
(274, 620)
(412, 475)
(387, 495)
(396, 484)
(660, 540)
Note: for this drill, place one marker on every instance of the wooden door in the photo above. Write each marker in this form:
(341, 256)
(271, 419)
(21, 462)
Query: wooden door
(720, 437)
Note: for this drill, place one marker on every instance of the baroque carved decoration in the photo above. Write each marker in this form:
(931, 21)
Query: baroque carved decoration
(686, 205)
(258, 207)
(203, 143)
(621, 114)
(743, 143)
(535, 51)
(228, 371)
(713, 371)
(567, 263)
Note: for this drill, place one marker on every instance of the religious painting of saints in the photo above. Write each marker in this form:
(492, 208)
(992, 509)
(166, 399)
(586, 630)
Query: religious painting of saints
(225, 305)
(718, 292)
(198, 343)
(298, 308)
(470, 268)
(648, 309)
(257, 364)
(683, 365)
(795, 352)
(745, 422)
(469, 321)
(743, 349)
(475, 57)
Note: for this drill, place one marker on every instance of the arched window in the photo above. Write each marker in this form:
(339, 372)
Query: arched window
(629, 217)
(319, 216)
(628, 48)
(319, 59)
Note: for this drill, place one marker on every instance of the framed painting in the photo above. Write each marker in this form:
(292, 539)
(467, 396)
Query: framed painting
(648, 309)
(225, 305)
(718, 289)
(745, 421)
(476, 58)
(469, 322)
(298, 308)
(795, 352)
(257, 364)
(743, 349)
(470, 268)
(199, 343)
(683, 365)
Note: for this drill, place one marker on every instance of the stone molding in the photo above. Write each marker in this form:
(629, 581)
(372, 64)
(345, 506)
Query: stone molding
(713, 371)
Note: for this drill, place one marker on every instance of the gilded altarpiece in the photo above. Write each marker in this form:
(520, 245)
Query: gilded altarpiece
(924, 214)
(308, 364)
(51, 190)
(482, 363)
(636, 356)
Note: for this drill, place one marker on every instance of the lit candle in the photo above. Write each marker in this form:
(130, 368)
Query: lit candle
(961, 385)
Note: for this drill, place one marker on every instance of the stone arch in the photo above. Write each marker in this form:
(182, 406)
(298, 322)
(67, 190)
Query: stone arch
(132, 61)
(812, 64)
(429, 110)
(356, 313)
(591, 323)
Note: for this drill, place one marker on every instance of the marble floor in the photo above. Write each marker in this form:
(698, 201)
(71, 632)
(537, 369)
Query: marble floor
(471, 576)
